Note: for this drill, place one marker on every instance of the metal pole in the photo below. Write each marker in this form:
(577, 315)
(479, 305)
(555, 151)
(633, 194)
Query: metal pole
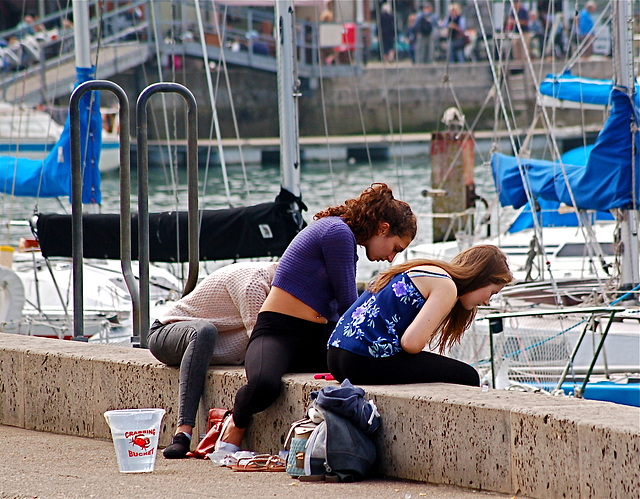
(495, 326)
(81, 32)
(143, 196)
(625, 76)
(580, 392)
(288, 92)
(572, 357)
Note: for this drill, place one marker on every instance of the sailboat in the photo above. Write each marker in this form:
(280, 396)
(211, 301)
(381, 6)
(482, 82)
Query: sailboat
(31, 133)
(262, 230)
(535, 337)
(37, 297)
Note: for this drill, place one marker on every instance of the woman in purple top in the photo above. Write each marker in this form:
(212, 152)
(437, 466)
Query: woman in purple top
(314, 284)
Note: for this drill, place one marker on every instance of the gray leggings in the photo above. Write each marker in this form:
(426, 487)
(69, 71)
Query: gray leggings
(188, 344)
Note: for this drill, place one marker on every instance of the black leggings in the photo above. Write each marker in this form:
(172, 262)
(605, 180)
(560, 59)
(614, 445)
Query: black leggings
(401, 368)
(279, 344)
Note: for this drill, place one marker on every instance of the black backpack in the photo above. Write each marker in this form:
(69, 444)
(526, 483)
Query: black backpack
(424, 25)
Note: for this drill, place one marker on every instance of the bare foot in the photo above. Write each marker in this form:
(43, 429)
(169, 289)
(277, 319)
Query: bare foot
(232, 434)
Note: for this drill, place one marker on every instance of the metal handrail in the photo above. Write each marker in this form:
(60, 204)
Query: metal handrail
(76, 200)
(140, 334)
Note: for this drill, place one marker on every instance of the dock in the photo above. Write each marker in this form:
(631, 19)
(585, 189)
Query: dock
(374, 147)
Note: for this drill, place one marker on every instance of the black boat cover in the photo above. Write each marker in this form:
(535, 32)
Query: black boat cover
(261, 230)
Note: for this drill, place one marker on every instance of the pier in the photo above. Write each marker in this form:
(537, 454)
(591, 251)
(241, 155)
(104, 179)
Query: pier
(266, 150)
(525, 444)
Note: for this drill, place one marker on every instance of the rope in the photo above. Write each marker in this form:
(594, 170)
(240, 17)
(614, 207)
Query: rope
(156, 37)
(233, 109)
(203, 44)
(399, 99)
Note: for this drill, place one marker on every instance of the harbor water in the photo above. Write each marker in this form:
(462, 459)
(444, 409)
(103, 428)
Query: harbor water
(322, 184)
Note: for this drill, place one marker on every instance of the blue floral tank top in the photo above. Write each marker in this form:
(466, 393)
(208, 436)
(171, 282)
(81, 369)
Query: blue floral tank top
(374, 324)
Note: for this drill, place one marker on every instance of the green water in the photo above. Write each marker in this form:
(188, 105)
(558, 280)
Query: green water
(322, 185)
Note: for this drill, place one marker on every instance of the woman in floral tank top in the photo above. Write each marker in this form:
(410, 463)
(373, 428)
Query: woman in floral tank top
(420, 303)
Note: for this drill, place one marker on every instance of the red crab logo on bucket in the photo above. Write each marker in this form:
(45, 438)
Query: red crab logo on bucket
(139, 438)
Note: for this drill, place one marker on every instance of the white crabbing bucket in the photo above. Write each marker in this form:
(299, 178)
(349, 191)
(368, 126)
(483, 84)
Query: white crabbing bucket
(135, 434)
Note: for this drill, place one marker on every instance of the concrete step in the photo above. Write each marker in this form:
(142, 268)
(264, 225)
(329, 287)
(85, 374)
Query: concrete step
(503, 441)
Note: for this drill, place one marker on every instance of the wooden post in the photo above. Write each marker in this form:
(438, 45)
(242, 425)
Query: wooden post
(452, 165)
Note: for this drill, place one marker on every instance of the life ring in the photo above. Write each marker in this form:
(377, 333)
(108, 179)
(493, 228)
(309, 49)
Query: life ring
(11, 295)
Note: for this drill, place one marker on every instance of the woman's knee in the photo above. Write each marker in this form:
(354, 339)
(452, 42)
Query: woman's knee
(207, 333)
(268, 387)
(469, 376)
(203, 335)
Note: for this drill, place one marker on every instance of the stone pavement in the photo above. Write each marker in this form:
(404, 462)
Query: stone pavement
(46, 465)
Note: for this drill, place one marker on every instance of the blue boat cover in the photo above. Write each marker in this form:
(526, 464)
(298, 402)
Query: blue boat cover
(579, 89)
(549, 216)
(539, 174)
(605, 182)
(51, 177)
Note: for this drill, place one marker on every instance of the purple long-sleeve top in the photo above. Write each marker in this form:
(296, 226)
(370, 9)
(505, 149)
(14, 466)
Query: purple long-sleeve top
(319, 267)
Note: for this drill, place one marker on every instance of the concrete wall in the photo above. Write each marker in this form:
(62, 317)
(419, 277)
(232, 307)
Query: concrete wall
(510, 442)
(415, 96)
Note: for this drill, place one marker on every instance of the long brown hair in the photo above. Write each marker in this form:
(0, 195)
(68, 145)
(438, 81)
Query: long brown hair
(471, 269)
(374, 206)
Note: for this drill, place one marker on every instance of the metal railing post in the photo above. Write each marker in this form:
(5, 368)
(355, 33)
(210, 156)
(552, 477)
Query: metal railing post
(580, 392)
(495, 327)
(143, 195)
(76, 200)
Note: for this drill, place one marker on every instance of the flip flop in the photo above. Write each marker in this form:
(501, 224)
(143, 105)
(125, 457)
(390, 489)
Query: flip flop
(264, 462)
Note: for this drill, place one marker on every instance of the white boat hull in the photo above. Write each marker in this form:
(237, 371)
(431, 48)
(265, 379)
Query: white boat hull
(37, 302)
(566, 252)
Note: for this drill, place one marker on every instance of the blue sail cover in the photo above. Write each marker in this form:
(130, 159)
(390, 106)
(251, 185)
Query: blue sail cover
(549, 216)
(603, 184)
(614, 164)
(541, 176)
(571, 88)
(51, 177)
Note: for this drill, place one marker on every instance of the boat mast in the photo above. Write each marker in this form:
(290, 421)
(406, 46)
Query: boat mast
(288, 93)
(81, 32)
(625, 77)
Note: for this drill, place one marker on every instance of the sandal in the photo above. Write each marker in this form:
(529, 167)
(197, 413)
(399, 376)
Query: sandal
(263, 462)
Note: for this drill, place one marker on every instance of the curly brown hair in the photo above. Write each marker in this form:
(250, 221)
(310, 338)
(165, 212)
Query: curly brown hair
(470, 269)
(374, 206)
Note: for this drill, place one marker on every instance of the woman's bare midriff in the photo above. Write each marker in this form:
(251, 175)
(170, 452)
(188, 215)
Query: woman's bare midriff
(285, 303)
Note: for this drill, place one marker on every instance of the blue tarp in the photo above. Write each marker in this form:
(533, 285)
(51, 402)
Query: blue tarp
(549, 216)
(579, 89)
(51, 177)
(539, 174)
(607, 180)
(604, 183)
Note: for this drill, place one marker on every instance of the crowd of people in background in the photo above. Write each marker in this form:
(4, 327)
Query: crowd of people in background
(422, 31)
(455, 36)
(34, 39)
